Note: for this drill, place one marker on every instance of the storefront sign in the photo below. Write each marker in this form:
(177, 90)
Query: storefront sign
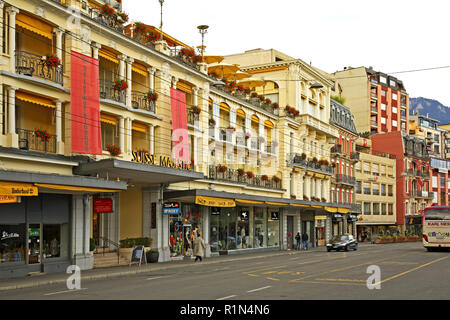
(320, 217)
(5, 235)
(9, 199)
(352, 218)
(275, 215)
(215, 211)
(337, 217)
(150, 159)
(171, 208)
(215, 202)
(34, 232)
(244, 215)
(103, 205)
(17, 189)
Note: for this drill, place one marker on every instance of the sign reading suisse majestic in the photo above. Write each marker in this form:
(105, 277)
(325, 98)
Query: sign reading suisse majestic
(146, 158)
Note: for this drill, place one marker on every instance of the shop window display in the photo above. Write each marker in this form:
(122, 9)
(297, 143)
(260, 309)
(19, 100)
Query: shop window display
(12, 243)
(223, 229)
(242, 234)
(183, 230)
(260, 225)
(273, 229)
(55, 240)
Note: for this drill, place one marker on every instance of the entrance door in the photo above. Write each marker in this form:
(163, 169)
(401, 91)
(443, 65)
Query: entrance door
(290, 230)
(34, 243)
(96, 227)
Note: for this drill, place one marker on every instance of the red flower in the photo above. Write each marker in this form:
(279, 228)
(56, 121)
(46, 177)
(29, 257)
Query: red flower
(120, 85)
(152, 96)
(264, 178)
(250, 174)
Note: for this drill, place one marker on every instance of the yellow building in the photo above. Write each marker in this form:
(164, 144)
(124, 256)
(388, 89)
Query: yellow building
(375, 190)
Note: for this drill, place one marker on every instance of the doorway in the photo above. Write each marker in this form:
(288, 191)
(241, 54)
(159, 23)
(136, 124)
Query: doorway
(34, 244)
(290, 230)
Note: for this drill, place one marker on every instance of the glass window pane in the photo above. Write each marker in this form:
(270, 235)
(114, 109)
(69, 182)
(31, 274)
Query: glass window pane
(12, 248)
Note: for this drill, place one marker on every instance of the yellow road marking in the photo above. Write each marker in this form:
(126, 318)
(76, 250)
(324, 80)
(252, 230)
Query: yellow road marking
(268, 268)
(275, 279)
(411, 270)
(345, 280)
(298, 273)
(253, 275)
(399, 262)
(328, 283)
(307, 262)
(269, 272)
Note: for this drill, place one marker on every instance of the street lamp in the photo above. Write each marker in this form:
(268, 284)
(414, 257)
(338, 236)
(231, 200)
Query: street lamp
(161, 2)
(203, 29)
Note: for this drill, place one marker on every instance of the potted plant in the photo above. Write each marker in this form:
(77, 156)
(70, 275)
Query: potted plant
(314, 160)
(113, 150)
(293, 196)
(276, 179)
(151, 37)
(120, 85)
(303, 156)
(247, 91)
(240, 172)
(126, 245)
(324, 200)
(275, 105)
(250, 174)
(247, 135)
(122, 16)
(152, 255)
(264, 177)
(196, 110)
(51, 60)
(222, 169)
(107, 10)
(231, 128)
(305, 197)
(212, 122)
(151, 96)
(43, 134)
(268, 101)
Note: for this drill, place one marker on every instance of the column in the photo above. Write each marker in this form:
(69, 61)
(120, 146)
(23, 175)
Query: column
(195, 150)
(319, 188)
(58, 120)
(95, 48)
(129, 133)
(151, 77)
(2, 4)
(121, 66)
(80, 232)
(307, 192)
(2, 124)
(300, 191)
(174, 82)
(195, 96)
(151, 137)
(12, 12)
(122, 134)
(13, 139)
(129, 81)
(59, 44)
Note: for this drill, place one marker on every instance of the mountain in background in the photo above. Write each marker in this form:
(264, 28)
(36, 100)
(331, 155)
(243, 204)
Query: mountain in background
(430, 108)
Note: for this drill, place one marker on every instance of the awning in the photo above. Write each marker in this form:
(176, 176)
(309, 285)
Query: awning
(215, 202)
(108, 119)
(268, 124)
(224, 107)
(108, 55)
(300, 205)
(331, 209)
(140, 69)
(319, 175)
(73, 188)
(34, 25)
(318, 207)
(276, 203)
(139, 127)
(8, 199)
(17, 189)
(255, 119)
(184, 87)
(249, 201)
(31, 98)
(240, 113)
(343, 210)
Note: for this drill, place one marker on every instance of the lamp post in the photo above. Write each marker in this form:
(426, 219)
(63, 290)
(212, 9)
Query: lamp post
(161, 2)
(203, 29)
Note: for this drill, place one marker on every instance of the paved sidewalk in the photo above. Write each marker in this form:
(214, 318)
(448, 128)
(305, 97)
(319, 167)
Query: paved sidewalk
(103, 273)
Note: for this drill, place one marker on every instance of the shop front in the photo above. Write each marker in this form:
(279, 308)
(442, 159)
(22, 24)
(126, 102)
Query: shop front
(320, 230)
(337, 222)
(351, 224)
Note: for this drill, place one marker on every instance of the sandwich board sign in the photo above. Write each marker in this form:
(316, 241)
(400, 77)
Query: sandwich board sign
(138, 255)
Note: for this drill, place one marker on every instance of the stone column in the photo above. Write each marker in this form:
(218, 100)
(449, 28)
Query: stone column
(128, 134)
(121, 66)
(300, 190)
(151, 77)
(195, 96)
(307, 192)
(151, 137)
(122, 134)
(12, 12)
(2, 4)
(129, 81)
(13, 138)
(59, 43)
(206, 226)
(59, 116)
(2, 98)
(80, 234)
(95, 48)
(174, 82)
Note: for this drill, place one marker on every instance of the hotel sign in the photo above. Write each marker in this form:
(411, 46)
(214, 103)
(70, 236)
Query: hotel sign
(150, 159)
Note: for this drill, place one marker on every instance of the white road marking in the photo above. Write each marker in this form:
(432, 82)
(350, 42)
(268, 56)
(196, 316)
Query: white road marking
(154, 278)
(74, 290)
(228, 297)
(259, 289)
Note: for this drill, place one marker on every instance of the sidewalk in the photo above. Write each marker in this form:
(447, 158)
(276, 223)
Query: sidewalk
(104, 273)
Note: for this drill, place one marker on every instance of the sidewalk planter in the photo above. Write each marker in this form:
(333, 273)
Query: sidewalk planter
(126, 253)
(152, 256)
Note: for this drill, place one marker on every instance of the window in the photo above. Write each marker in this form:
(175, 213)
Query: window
(392, 83)
(375, 189)
(383, 93)
(109, 135)
(383, 106)
(390, 209)
(436, 148)
(383, 80)
(394, 123)
(358, 187)
(394, 109)
(394, 96)
(358, 166)
(375, 169)
(383, 189)
(376, 208)
(383, 209)
(366, 187)
(390, 190)
(13, 243)
(53, 236)
(383, 170)
(383, 120)
(367, 210)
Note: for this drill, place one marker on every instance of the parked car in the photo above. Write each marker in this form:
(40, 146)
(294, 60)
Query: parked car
(343, 242)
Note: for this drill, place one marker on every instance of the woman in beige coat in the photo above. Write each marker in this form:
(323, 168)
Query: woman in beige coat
(199, 248)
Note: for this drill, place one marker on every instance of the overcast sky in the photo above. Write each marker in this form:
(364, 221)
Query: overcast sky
(389, 35)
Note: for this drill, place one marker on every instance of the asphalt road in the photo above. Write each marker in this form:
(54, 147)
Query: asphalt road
(407, 271)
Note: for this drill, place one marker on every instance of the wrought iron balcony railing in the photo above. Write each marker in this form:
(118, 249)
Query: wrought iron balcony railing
(108, 92)
(345, 179)
(192, 118)
(140, 101)
(28, 140)
(33, 65)
(297, 160)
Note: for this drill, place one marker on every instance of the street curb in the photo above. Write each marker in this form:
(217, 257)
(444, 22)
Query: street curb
(139, 271)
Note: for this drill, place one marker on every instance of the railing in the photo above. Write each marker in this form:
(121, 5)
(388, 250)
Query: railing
(32, 65)
(29, 141)
(296, 160)
(225, 135)
(373, 123)
(254, 143)
(240, 139)
(354, 156)
(139, 101)
(374, 95)
(234, 175)
(108, 92)
(107, 243)
(337, 149)
(192, 118)
(374, 109)
(175, 54)
(342, 178)
(113, 22)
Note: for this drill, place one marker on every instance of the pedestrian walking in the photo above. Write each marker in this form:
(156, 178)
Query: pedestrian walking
(298, 238)
(199, 248)
(305, 239)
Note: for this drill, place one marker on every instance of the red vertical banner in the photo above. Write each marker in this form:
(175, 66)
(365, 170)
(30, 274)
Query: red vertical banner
(85, 104)
(180, 134)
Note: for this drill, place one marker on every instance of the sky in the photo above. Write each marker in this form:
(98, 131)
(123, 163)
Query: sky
(389, 35)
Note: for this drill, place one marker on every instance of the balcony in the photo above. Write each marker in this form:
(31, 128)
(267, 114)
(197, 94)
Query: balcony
(32, 65)
(424, 195)
(174, 53)
(254, 143)
(29, 141)
(345, 179)
(237, 176)
(374, 96)
(139, 101)
(296, 160)
(192, 118)
(225, 135)
(373, 124)
(107, 92)
(374, 110)
(336, 150)
(354, 156)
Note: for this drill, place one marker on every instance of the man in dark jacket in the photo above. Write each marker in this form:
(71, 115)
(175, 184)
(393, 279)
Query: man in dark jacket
(305, 239)
(298, 238)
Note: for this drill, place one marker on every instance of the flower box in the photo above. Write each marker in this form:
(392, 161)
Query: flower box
(212, 122)
(151, 96)
(50, 60)
(264, 178)
(120, 85)
(196, 110)
(276, 179)
(222, 169)
(43, 134)
(250, 174)
(113, 150)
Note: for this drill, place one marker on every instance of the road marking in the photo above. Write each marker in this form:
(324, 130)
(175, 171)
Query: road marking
(344, 280)
(269, 272)
(313, 261)
(411, 270)
(154, 278)
(66, 291)
(329, 282)
(259, 289)
(399, 262)
(228, 297)
(268, 268)
(274, 279)
(253, 275)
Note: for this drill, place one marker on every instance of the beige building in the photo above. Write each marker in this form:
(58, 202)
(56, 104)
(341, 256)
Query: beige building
(375, 190)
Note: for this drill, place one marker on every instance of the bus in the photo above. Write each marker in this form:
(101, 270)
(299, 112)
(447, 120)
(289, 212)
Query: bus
(436, 227)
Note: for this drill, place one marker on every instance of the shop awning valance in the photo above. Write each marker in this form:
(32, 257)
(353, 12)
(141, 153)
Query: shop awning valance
(343, 210)
(331, 209)
(268, 124)
(108, 119)
(139, 69)
(320, 217)
(34, 25)
(74, 188)
(276, 203)
(250, 201)
(139, 127)
(108, 55)
(317, 207)
(300, 205)
(215, 202)
(8, 199)
(27, 97)
(17, 189)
